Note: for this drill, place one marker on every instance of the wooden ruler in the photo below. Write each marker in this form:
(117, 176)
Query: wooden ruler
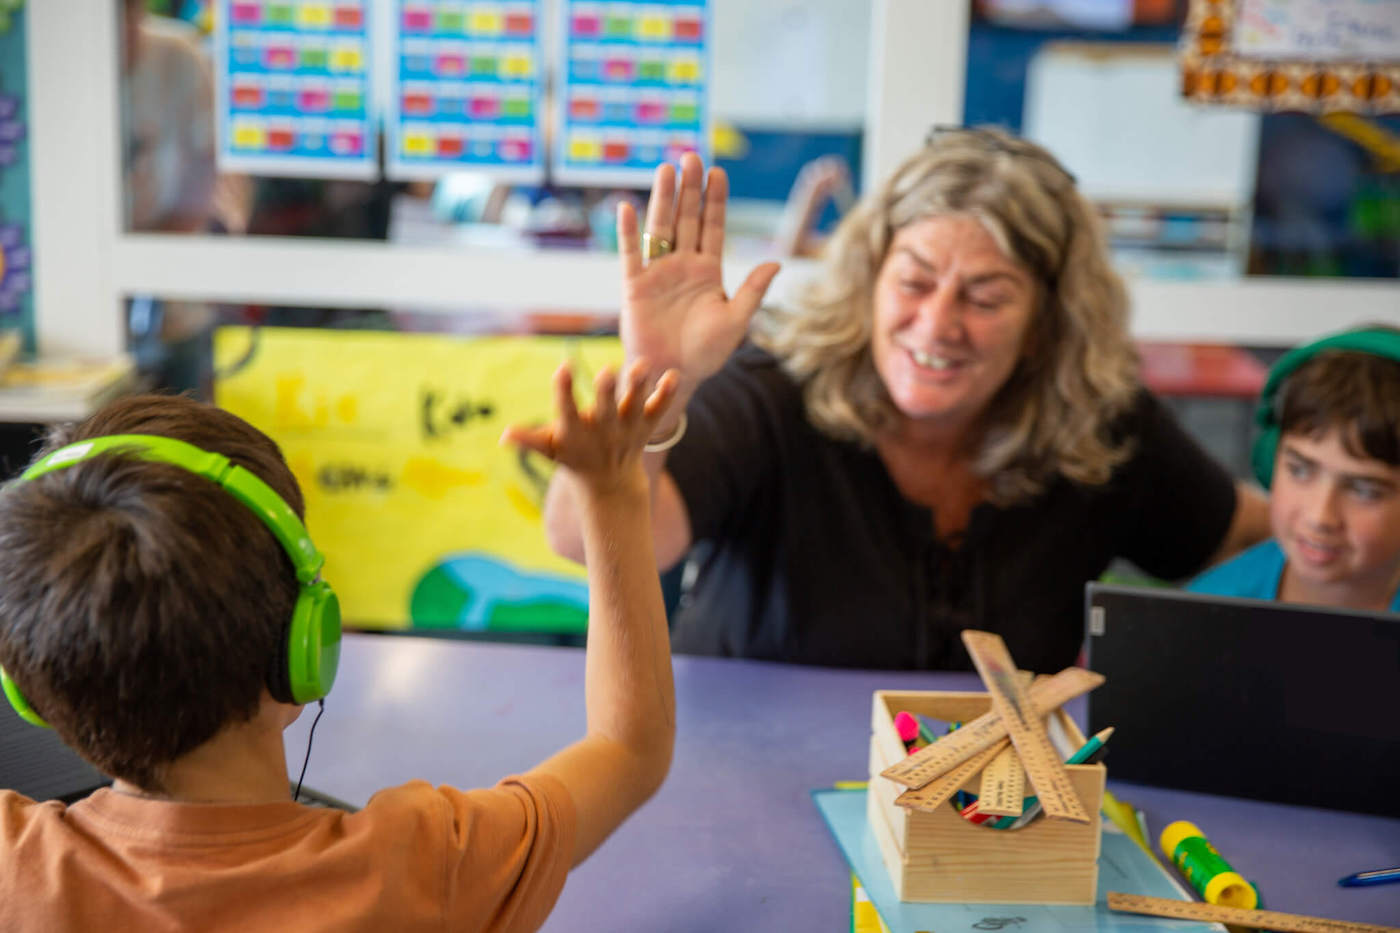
(1259, 919)
(935, 792)
(986, 730)
(1043, 766)
(1003, 791)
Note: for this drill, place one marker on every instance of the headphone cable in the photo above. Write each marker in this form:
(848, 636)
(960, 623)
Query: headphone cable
(321, 704)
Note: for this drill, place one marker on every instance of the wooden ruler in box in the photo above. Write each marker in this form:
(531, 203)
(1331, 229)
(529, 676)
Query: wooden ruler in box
(987, 730)
(935, 772)
(1044, 768)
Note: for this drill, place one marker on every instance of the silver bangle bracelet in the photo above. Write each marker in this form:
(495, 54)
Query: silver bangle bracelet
(656, 447)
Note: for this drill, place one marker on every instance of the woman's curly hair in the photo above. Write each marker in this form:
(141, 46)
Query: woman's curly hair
(1079, 370)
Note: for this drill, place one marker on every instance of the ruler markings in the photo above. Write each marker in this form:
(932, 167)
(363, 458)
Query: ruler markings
(1043, 766)
(933, 794)
(1259, 919)
(1003, 791)
(936, 759)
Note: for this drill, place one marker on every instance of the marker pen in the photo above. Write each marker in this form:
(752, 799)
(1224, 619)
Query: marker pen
(907, 727)
(1375, 876)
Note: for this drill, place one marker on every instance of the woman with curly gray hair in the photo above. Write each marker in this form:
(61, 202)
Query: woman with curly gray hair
(946, 432)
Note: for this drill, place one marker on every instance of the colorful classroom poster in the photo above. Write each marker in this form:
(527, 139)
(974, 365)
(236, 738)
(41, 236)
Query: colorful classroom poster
(632, 88)
(16, 277)
(467, 90)
(294, 89)
(426, 521)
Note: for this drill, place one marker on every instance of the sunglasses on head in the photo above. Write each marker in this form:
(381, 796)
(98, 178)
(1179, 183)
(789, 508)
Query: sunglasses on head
(995, 142)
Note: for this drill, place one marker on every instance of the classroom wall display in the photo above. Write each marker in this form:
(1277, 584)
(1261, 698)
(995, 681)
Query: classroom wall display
(426, 521)
(632, 89)
(467, 90)
(16, 277)
(294, 87)
(1314, 56)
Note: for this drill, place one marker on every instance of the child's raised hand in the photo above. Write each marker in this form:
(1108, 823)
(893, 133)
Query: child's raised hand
(602, 445)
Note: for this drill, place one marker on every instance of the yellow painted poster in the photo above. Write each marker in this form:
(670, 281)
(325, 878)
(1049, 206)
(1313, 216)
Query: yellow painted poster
(426, 521)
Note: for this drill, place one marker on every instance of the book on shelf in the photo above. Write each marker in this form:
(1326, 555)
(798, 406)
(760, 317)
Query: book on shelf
(62, 389)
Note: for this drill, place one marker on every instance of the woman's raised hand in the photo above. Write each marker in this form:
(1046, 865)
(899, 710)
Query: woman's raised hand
(675, 313)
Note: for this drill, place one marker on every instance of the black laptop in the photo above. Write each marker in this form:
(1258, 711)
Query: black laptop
(36, 763)
(1248, 698)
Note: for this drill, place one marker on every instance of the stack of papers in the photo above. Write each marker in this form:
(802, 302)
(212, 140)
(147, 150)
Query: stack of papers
(47, 390)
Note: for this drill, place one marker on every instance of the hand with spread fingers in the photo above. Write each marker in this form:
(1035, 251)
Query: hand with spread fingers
(602, 446)
(675, 312)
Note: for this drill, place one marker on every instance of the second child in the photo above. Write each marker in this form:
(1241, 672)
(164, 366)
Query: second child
(1330, 455)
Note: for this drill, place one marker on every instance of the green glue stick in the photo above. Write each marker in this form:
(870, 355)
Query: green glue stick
(1188, 849)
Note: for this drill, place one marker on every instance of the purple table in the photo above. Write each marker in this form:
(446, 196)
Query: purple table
(733, 842)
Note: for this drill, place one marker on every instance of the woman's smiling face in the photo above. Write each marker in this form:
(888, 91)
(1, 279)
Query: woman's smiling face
(951, 316)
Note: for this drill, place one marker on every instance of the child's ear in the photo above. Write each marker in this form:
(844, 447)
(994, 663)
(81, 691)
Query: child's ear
(290, 713)
(276, 712)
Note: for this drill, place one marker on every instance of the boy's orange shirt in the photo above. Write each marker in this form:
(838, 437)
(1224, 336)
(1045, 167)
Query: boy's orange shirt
(416, 857)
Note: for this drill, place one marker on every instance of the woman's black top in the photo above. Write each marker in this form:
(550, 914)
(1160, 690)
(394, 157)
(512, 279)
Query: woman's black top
(807, 552)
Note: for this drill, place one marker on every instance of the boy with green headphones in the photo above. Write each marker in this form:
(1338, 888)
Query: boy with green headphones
(161, 609)
(1329, 453)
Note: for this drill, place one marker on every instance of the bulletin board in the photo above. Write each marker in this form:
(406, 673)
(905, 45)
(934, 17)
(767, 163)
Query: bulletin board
(294, 87)
(467, 90)
(426, 521)
(1313, 56)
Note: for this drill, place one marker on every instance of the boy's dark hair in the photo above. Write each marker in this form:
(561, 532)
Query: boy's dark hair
(140, 604)
(1355, 392)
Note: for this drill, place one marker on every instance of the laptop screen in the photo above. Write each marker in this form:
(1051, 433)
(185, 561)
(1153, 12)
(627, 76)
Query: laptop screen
(1248, 698)
(36, 763)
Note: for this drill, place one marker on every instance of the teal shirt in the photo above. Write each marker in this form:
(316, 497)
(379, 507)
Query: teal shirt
(1253, 574)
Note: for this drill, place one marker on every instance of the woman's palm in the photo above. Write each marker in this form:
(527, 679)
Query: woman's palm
(676, 314)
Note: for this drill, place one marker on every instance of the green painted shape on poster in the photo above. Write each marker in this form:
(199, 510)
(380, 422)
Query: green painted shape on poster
(439, 600)
(543, 615)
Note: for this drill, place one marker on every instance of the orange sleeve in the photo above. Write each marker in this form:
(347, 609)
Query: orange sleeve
(509, 850)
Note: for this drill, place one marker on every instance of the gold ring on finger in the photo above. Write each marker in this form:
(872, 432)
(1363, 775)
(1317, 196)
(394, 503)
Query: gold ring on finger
(654, 247)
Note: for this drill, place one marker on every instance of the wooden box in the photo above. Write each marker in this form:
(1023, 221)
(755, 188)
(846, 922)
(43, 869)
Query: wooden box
(940, 856)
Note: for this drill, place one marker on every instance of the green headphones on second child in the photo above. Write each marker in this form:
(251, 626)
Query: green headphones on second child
(310, 654)
(1376, 341)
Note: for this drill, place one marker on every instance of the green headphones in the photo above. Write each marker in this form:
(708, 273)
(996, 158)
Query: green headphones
(1376, 341)
(312, 646)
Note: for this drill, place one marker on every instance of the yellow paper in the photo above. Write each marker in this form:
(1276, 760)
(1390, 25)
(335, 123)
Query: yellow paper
(425, 519)
(1123, 816)
(864, 917)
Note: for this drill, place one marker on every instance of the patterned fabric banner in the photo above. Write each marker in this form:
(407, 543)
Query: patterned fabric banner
(1313, 56)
